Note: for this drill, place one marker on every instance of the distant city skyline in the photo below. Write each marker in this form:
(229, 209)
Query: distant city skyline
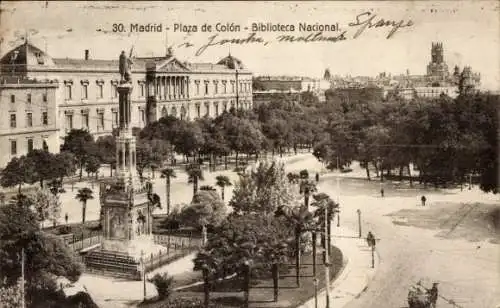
(469, 31)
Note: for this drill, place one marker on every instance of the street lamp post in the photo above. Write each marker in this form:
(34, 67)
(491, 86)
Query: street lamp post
(143, 275)
(23, 304)
(359, 221)
(316, 281)
(327, 263)
(338, 194)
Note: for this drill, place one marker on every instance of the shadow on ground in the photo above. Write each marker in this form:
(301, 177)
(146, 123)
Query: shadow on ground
(471, 221)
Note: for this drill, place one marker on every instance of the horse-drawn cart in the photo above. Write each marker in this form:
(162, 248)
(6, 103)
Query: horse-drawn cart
(421, 297)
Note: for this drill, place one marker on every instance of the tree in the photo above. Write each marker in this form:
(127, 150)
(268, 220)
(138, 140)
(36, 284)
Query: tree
(43, 162)
(206, 209)
(81, 143)
(167, 174)
(64, 165)
(92, 165)
(14, 173)
(262, 189)
(195, 173)
(302, 220)
(307, 187)
(46, 256)
(222, 182)
(107, 151)
(46, 205)
(83, 195)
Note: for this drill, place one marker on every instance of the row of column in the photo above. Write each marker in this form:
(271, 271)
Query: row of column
(219, 107)
(172, 87)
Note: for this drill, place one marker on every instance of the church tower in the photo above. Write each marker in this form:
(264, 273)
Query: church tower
(437, 69)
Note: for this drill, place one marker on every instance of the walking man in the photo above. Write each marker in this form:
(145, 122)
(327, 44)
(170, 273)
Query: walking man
(423, 199)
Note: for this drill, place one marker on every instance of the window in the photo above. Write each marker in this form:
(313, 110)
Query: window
(85, 120)
(68, 92)
(69, 122)
(44, 97)
(45, 118)
(142, 90)
(28, 98)
(29, 119)
(207, 107)
(100, 91)
(45, 146)
(232, 87)
(141, 111)
(216, 88)
(13, 147)
(206, 88)
(115, 118)
(216, 110)
(85, 91)
(198, 88)
(30, 145)
(225, 87)
(115, 91)
(198, 111)
(12, 98)
(13, 120)
(100, 123)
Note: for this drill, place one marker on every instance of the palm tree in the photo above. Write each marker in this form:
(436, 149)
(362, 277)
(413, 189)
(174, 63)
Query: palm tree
(83, 195)
(322, 200)
(222, 181)
(302, 219)
(168, 173)
(307, 187)
(194, 175)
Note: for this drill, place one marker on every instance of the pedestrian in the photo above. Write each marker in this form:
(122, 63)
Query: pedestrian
(317, 177)
(382, 192)
(66, 218)
(423, 199)
(370, 239)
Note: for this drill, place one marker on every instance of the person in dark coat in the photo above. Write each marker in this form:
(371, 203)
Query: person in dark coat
(423, 199)
(317, 177)
(382, 192)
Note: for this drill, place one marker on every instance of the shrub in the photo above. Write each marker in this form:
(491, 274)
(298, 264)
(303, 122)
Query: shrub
(164, 285)
(64, 229)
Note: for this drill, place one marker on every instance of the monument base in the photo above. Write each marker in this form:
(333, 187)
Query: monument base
(140, 245)
(127, 259)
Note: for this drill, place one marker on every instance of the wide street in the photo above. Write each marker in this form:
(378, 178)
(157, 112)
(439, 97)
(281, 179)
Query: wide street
(467, 271)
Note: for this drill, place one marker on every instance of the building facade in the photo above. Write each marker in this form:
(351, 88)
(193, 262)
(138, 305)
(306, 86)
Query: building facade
(87, 97)
(29, 117)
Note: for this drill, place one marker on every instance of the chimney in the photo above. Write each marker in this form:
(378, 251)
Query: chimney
(86, 54)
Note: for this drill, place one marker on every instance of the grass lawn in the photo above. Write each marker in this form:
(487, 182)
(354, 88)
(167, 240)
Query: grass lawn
(229, 294)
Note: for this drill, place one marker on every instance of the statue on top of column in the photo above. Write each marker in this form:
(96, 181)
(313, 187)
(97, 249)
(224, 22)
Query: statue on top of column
(125, 67)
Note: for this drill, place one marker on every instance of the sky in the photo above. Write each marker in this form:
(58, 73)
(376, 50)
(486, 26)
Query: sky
(469, 31)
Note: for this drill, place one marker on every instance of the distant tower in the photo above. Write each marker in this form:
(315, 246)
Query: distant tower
(327, 76)
(468, 81)
(437, 68)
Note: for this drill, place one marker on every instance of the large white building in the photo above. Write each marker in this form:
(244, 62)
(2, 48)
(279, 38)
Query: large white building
(28, 117)
(85, 90)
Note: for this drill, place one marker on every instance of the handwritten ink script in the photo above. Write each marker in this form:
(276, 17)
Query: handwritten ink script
(364, 20)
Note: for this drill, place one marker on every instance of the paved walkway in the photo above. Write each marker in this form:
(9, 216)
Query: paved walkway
(110, 292)
(355, 276)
